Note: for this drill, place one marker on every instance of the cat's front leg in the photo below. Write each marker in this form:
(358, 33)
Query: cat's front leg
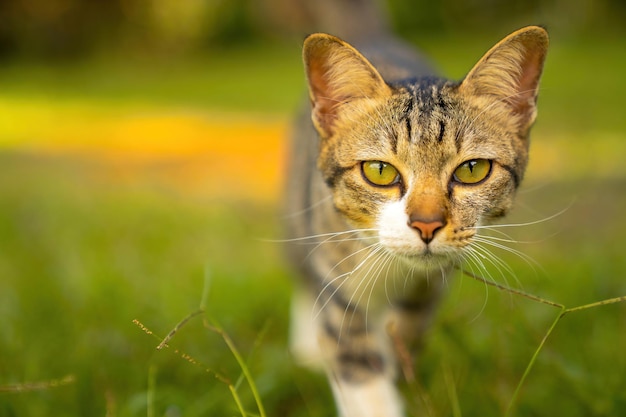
(375, 397)
(361, 367)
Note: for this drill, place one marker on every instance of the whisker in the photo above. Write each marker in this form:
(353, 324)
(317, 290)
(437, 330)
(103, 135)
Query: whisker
(377, 249)
(392, 262)
(526, 258)
(502, 267)
(507, 239)
(341, 276)
(309, 208)
(386, 280)
(531, 223)
(382, 261)
(322, 235)
(473, 259)
(332, 237)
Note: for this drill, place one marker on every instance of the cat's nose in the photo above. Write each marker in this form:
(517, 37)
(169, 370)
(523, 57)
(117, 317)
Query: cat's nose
(427, 228)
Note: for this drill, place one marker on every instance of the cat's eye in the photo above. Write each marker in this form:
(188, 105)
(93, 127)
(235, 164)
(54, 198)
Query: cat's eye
(380, 173)
(472, 171)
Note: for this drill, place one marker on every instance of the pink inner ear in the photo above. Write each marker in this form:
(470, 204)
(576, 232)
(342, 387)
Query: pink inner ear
(528, 82)
(321, 95)
(318, 84)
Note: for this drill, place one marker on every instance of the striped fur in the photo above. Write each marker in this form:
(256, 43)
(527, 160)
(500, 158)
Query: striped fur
(369, 268)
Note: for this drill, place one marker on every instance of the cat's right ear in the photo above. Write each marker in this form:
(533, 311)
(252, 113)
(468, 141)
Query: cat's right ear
(338, 75)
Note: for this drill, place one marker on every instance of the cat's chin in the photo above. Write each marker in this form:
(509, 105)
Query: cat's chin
(425, 260)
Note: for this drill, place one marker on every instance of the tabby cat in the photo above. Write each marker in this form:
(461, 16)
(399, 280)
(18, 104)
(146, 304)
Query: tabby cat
(388, 189)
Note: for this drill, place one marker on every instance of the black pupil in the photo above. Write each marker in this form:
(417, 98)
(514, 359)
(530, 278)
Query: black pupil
(380, 168)
(472, 165)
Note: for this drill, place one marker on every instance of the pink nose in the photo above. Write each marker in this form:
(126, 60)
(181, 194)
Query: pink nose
(427, 229)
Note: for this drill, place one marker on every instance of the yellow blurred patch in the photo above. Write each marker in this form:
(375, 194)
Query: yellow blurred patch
(236, 155)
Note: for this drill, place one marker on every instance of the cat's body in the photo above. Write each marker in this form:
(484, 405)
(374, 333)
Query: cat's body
(387, 190)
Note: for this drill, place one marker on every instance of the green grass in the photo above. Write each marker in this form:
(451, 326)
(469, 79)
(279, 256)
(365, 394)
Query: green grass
(82, 257)
(83, 254)
(259, 79)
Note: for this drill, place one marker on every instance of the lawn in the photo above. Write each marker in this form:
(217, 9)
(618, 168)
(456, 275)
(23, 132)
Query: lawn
(132, 194)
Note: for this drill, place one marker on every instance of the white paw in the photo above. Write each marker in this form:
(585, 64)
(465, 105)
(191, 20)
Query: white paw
(375, 398)
(303, 332)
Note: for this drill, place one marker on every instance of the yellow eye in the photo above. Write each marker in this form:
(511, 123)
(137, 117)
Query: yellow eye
(473, 171)
(380, 173)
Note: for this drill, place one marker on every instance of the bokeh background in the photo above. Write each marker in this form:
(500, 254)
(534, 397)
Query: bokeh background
(142, 145)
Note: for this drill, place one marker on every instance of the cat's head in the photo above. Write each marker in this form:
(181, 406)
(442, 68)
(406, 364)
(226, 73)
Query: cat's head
(422, 163)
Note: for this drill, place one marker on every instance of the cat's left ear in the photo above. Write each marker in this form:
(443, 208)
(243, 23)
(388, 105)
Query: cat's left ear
(510, 73)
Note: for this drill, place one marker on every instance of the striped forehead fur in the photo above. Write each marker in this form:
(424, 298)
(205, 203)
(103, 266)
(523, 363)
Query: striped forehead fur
(427, 103)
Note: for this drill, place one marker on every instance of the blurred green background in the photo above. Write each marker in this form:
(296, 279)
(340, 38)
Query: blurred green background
(141, 154)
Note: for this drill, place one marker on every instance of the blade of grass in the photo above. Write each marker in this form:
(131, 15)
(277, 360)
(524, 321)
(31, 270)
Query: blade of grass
(452, 394)
(205, 288)
(188, 358)
(177, 328)
(184, 355)
(532, 363)
(563, 311)
(233, 392)
(512, 290)
(242, 364)
(596, 304)
(38, 386)
(152, 371)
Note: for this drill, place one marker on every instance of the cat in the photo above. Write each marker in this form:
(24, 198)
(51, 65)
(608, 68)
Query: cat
(393, 172)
